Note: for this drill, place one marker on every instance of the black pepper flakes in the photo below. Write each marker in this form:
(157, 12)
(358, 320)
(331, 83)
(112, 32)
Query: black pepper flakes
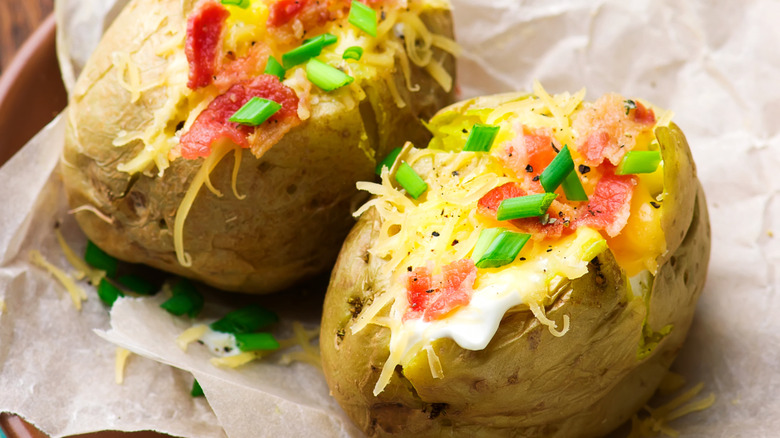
(536, 178)
(430, 291)
(465, 131)
(409, 268)
(655, 204)
(435, 234)
(455, 173)
(522, 259)
(554, 148)
(583, 169)
(549, 249)
(455, 242)
(529, 168)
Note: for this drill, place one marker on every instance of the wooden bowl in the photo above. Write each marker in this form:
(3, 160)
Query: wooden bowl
(31, 95)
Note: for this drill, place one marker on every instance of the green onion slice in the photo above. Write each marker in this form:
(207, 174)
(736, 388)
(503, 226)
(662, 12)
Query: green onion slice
(410, 180)
(137, 284)
(325, 76)
(486, 237)
(363, 17)
(186, 300)
(560, 167)
(639, 162)
(354, 52)
(99, 259)
(273, 67)
(243, 4)
(196, 391)
(503, 249)
(388, 161)
(308, 50)
(481, 138)
(524, 206)
(246, 320)
(572, 188)
(255, 112)
(108, 293)
(256, 341)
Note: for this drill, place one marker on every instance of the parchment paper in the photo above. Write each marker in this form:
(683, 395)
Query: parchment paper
(715, 63)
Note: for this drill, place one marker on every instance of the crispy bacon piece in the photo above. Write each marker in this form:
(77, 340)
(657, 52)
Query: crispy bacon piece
(560, 214)
(432, 297)
(204, 38)
(609, 128)
(212, 124)
(528, 155)
(283, 11)
(610, 205)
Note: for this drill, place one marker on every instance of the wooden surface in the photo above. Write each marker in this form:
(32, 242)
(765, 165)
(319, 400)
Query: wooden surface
(18, 18)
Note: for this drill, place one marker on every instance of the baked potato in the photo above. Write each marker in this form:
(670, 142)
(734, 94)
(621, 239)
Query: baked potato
(160, 169)
(439, 322)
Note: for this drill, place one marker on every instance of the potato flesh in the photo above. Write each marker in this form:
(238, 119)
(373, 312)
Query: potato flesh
(527, 382)
(299, 195)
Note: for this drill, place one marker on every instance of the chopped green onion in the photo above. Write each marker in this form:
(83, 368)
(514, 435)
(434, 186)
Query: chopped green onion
(99, 259)
(410, 180)
(325, 76)
(503, 249)
(308, 50)
(629, 104)
(481, 138)
(243, 4)
(108, 293)
(272, 67)
(186, 300)
(524, 206)
(573, 189)
(560, 167)
(363, 17)
(256, 341)
(354, 52)
(486, 237)
(639, 162)
(255, 112)
(137, 284)
(388, 161)
(246, 320)
(196, 391)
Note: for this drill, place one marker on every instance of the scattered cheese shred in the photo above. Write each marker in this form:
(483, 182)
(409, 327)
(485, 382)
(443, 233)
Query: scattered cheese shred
(3, 307)
(120, 364)
(94, 210)
(191, 335)
(659, 418)
(77, 294)
(83, 269)
(234, 361)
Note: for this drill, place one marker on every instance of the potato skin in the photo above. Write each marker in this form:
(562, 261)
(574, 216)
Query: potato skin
(299, 195)
(526, 383)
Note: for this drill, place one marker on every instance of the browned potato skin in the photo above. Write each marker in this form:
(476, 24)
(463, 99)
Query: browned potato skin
(299, 195)
(527, 383)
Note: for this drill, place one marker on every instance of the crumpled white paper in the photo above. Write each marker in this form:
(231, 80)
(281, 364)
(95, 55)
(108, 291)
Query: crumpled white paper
(715, 64)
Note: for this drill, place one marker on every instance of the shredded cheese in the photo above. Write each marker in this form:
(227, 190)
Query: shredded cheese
(3, 307)
(76, 293)
(92, 209)
(83, 269)
(659, 418)
(120, 364)
(191, 335)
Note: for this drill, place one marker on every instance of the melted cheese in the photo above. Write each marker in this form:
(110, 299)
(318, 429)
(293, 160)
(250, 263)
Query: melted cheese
(76, 293)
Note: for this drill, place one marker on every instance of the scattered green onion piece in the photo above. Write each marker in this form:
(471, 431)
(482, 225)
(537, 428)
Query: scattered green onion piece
(108, 293)
(246, 320)
(354, 52)
(572, 187)
(255, 112)
(272, 67)
(524, 206)
(256, 341)
(243, 4)
(560, 167)
(639, 162)
(99, 259)
(325, 76)
(186, 300)
(410, 180)
(363, 17)
(137, 284)
(196, 391)
(308, 50)
(503, 249)
(481, 138)
(388, 161)
(486, 237)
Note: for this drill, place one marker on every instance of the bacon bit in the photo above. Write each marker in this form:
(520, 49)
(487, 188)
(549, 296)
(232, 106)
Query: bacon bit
(204, 36)
(285, 10)
(212, 124)
(433, 297)
(528, 155)
(242, 69)
(610, 204)
(291, 20)
(607, 131)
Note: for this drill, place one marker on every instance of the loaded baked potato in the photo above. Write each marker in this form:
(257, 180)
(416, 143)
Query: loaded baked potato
(161, 168)
(536, 282)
